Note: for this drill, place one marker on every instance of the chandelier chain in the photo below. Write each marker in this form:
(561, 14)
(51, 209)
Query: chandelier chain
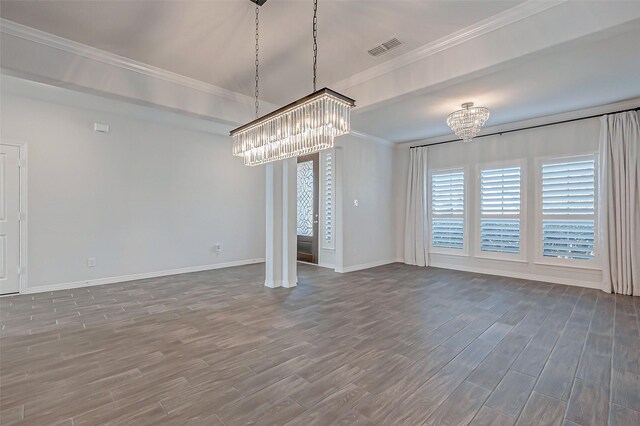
(306, 126)
(315, 43)
(257, 91)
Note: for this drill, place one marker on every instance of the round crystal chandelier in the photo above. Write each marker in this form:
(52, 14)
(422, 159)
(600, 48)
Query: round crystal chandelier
(467, 122)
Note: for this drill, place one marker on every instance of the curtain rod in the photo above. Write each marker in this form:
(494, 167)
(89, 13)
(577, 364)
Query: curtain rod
(530, 127)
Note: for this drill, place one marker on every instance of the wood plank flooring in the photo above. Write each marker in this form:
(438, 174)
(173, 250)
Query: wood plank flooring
(386, 346)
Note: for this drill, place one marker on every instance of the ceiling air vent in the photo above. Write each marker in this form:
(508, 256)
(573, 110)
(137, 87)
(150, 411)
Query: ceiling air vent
(391, 44)
(377, 51)
(385, 47)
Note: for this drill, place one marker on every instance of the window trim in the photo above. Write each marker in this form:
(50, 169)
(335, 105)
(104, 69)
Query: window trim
(521, 257)
(465, 228)
(538, 258)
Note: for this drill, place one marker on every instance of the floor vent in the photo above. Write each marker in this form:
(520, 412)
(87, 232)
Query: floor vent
(385, 47)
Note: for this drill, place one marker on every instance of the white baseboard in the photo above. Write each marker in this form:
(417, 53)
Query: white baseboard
(272, 284)
(365, 266)
(326, 265)
(132, 277)
(289, 284)
(518, 275)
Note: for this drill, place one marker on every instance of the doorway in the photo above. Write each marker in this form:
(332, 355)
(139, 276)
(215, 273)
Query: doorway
(307, 207)
(10, 219)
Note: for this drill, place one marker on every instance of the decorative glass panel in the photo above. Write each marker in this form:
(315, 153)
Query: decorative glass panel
(305, 199)
(328, 200)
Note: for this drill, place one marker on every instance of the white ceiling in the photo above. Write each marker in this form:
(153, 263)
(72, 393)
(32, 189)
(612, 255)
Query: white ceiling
(213, 41)
(570, 77)
(573, 55)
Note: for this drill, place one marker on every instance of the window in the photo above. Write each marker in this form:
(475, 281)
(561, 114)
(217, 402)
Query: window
(500, 210)
(327, 199)
(304, 183)
(447, 211)
(568, 209)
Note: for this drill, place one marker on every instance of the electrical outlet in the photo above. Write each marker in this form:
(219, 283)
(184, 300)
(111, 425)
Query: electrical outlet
(218, 248)
(355, 203)
(91, 262)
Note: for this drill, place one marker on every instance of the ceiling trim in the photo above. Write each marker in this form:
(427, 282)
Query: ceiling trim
(372, 138)
(70, 46)
(502, 19)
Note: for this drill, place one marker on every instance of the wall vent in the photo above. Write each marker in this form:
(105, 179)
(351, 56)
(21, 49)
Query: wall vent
(385, 47)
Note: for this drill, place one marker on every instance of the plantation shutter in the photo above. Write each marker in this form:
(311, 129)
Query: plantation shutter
(447, 210)
(568, 209)
(500, 210)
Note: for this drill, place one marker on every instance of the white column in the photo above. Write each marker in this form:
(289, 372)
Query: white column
(280, 253)
(289, 219)
(273, 252)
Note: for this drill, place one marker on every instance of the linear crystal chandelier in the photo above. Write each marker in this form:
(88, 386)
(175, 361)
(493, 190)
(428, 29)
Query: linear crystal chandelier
(305, 126)
(467, 122)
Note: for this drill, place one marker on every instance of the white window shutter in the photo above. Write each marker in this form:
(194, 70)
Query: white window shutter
(568, 210)
(447, 210)
(500, 210)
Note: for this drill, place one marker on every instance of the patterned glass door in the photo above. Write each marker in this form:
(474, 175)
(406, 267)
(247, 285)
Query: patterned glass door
(307, 208)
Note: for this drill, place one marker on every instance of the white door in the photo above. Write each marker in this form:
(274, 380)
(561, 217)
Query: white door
(9, 219)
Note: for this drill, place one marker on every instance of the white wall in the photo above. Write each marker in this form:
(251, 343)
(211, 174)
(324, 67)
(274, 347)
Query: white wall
(568, 139)
(153, 195)
(366, 175)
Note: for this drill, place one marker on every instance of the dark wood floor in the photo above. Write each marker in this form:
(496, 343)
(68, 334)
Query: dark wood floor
(390, 345)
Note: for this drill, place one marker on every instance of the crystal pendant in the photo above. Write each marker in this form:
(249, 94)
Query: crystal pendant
(303, 127)
(467, 122)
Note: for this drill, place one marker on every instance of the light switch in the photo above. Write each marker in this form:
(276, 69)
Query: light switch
(355, 203)
(101, 127)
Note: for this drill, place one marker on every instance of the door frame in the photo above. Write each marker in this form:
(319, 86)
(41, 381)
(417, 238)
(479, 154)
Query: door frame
(315, 240)
(22, 169)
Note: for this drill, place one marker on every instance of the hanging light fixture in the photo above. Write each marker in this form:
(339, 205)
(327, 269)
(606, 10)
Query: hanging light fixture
(305, 126)
(467, 122)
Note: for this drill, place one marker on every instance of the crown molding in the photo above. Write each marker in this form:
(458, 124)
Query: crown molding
(372, 138)
(509, 16)
(502, 19)
(69, 46)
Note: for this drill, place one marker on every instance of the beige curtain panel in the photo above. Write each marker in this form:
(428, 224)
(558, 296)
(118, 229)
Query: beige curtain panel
(416, 238)
(620, 202)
